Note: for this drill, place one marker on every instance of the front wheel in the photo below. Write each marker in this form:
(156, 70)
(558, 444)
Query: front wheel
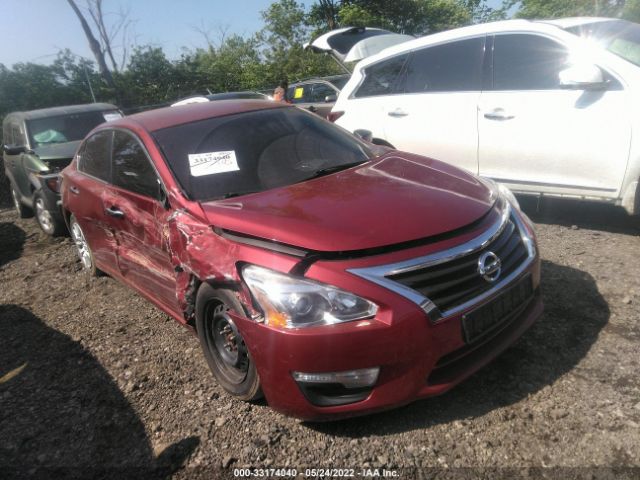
(48, 222)
(223, 345)
(23, 212)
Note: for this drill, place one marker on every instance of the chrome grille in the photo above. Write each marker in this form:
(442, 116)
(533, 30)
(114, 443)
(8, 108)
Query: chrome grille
(454, 282)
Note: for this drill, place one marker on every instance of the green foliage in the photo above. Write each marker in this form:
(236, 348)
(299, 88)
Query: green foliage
(260, 61)
(282, 37)
(569, 8)
(414, 17)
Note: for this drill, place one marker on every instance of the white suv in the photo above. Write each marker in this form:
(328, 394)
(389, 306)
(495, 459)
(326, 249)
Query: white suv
(545, 107)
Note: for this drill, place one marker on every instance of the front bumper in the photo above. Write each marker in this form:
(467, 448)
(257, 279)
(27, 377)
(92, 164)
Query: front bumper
(417, 358)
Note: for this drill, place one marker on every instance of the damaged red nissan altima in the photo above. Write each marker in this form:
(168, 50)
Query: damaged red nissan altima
(333, 276)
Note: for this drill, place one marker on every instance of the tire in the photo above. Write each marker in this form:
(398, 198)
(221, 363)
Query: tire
(23, 212)
(222, 344)
(83, 249)
(49, 223)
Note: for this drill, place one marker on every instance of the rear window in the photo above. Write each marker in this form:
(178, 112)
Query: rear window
(255, 151)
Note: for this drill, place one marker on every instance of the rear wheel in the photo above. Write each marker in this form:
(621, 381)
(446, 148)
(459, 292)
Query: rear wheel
(23, 212)
(82, 246)
(47, 221)
(223, 345)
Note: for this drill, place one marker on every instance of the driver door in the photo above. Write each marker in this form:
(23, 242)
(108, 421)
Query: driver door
(139, 219)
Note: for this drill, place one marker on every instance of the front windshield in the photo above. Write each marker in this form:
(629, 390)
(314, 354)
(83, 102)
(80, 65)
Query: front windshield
(66, 128)
(617, 36)
(254, 151)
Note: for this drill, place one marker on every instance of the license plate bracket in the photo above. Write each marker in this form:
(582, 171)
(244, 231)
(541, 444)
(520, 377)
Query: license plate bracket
(498, 312)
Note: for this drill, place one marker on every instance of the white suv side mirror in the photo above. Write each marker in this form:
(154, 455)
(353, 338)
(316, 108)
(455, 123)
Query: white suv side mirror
(582, 76)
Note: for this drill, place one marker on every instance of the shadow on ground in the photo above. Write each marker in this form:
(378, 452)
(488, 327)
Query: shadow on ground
(12, 240)
(61, 414)
(589, 215)
(575, 312)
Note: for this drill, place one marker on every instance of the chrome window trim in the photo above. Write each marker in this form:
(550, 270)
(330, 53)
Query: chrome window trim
(378, 274)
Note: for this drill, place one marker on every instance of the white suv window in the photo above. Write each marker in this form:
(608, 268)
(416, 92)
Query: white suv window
(451, 67)
(527, 62)
(381, 78)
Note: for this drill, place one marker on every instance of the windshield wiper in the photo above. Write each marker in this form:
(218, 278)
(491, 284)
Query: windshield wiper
(237, 194)
(336, 168)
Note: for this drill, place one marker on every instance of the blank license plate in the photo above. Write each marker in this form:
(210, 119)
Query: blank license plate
(482, 320)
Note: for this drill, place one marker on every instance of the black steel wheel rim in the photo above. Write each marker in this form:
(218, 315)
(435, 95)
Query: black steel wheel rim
(226, 344)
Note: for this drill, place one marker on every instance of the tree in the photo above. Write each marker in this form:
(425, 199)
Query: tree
(95, 46)
(413, 17)
(567, 8)
(282, 40)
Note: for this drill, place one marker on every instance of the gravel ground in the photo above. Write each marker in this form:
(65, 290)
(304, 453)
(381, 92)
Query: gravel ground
(105, 385)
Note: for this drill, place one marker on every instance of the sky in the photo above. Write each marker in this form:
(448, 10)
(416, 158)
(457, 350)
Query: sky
(35, 30)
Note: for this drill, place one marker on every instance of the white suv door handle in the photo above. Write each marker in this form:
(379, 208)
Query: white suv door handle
(498, 114)
(397, 113)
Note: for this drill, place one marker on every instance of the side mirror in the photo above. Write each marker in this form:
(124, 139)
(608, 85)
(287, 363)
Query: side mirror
(363, 134)
(14, 149)
(163, 197)
(582, 77)
(330, 98)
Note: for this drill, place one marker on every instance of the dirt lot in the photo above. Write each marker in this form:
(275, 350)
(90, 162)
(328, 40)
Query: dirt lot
(109, 386)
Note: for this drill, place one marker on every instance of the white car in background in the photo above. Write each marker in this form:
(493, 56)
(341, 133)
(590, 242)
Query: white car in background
(545, 107)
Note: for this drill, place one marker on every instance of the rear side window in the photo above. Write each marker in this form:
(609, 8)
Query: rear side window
(132, 169)
(452, 67)
(527, 62)
(381, 78)
(95, 155)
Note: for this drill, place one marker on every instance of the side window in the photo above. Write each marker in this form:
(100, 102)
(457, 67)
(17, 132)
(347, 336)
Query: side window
(7, 134)
(299, 93)
(527, 62)
(380, 78)
(18, 137)
(452, 67)
(94, 156)
(320, 92)
(132, 169)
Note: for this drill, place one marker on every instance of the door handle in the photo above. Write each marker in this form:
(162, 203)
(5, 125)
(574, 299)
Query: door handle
(312, 109)
(397, 113)
(114, 212)
(498, 114)
(75, 190)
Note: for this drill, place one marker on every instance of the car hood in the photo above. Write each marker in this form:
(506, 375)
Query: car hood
(392, 199)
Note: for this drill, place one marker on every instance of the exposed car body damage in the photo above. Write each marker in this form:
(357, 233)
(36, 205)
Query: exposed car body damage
(306, 289)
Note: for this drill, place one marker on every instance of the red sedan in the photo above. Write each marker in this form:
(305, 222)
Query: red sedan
(330, 275)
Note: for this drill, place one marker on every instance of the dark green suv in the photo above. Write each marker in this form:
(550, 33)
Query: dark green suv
(36, 146)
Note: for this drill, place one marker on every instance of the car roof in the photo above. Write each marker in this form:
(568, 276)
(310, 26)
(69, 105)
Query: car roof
(576, 21)
(480, 29)
(160, 118)
(60, 111)
(328, 78)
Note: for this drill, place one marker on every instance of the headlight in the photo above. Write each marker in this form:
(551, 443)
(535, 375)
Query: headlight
(508, 195)
(290, 302)
(500, 189)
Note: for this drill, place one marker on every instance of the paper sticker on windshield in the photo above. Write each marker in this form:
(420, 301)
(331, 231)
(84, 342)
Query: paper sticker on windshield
(212, 163)
(108, 117)
(298, 92)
